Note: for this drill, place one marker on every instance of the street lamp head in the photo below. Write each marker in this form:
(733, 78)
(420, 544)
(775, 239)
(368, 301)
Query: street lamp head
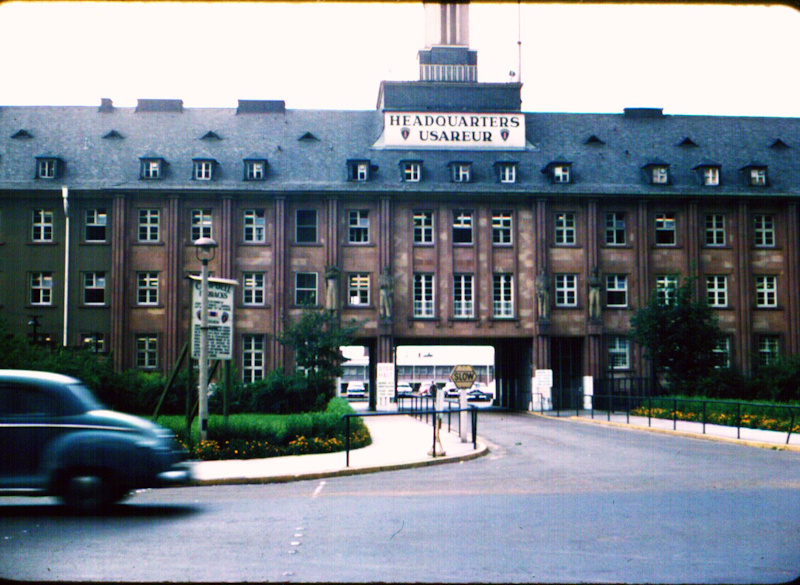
(205, 249)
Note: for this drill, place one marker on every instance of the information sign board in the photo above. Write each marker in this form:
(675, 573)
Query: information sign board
(220, 317)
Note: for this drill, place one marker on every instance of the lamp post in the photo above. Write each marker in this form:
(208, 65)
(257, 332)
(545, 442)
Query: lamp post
(205, 249)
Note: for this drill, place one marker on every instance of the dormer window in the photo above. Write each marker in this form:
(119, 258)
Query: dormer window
(709, 173)
(756, 174)
(152, 168)
(559, 172)
(657, 173)
(411, 171)
(358, 170)
(48, 167)
(255, 169)
(506, 172)
(203, 169)
(461, 172)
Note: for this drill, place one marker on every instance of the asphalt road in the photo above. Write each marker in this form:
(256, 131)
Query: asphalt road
(554, 501)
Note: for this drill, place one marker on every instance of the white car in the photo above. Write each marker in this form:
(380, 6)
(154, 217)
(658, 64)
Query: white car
(404, 389)
(356, 391)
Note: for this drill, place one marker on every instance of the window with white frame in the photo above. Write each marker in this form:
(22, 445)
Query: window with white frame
(255, 170)
(41, 288)
(305, 288)
(502, 223)
(306, 226)
(766, 292)
(358, 170)
(96, 222)
(768, 350)
(758, 176)
(423, 295)
(722, 353)
(717, 290)
(94, 288)
(561, 173)
(616, 291)
(358, 226)
(252, 358)
(461, 172)
(711, 176)
(147, 351)
(764, 231)
(47, 168)
(666, 288)
(42, 225)
(463, 297)
(147, 288)
(200, 224)
(666, 233)
(507, 172)
(503, 295)
(423, 227)
(565, 229)
(715, 229)
(566, 290)
(255, 226)
(253, 288)
(618, 353)
(412, 171)
(616, 227)
(149, 225)
(659, 175)
(151, 168)
(358, 289)
(462, 227)
(203, 170)
(94, 342)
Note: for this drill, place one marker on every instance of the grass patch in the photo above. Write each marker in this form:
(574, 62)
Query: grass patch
(255, 436)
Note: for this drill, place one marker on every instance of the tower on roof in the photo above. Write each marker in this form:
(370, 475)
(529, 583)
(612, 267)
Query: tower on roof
(446, 56)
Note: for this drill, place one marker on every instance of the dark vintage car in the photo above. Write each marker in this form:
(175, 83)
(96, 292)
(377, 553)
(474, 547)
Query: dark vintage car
(56, 439)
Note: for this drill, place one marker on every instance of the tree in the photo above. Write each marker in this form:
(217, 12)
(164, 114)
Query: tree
(679, 337)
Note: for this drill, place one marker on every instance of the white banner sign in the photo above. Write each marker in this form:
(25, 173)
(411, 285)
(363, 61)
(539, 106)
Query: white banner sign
(449, 130)
(220, 317)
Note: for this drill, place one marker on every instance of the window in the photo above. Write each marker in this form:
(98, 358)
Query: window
(255, 226)
(461, 172)
(358, 227)
(768, 350)
(711, 176)
(665, 229)
(151, 168)
(462, 227)
(766, 292)
(147, 288)
(94, 288)
(423, 227)
(358, 170)
(201, 224)
(47, 168)
(94, 342)
(149, 224)
(616, 290)
(42, 226)
(306, 226)
(463, 303)
(764, 231)
(95, 226)
(659, 175)
(253, 288)
(666, 288)
(758, 176)
(423, 295)
(615, 229)
(412, 171)
(618, 353)
(507, 172)
(41, 288)
(565, 229)
(358, 289)
(252, 358)
(305, 288)
(717, 291)
(503, 295)
(147, 351)
(715, 230)
(561, 174)
(255, 170)
(502, 223)
(203, 170)
(566, 290)
(722, 353)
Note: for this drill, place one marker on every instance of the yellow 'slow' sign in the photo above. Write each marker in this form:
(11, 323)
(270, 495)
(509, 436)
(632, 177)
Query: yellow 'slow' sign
(463, 377)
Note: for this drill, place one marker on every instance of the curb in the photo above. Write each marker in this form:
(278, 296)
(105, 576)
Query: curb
(347, 471)
(685, 434)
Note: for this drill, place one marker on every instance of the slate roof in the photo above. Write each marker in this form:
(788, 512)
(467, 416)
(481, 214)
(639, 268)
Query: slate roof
(79, 137)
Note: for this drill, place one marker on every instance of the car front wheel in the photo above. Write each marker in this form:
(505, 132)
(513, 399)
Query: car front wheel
(88, 491)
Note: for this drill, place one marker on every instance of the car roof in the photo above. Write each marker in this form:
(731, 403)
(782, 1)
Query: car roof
(37, 375)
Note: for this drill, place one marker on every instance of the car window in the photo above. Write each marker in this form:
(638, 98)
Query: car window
(24, 400)
(86, 398)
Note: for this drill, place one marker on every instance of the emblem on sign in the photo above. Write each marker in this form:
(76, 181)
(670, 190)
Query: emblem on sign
(405, 132)
(504, 134)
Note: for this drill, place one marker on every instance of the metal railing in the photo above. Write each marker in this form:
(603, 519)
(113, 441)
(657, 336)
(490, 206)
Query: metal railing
(418, 413)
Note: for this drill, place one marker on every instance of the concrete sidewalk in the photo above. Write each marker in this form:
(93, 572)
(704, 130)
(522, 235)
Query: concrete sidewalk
(748, 437)
(398, 442)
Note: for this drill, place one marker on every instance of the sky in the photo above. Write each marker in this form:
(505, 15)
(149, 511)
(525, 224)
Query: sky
(696, 59)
